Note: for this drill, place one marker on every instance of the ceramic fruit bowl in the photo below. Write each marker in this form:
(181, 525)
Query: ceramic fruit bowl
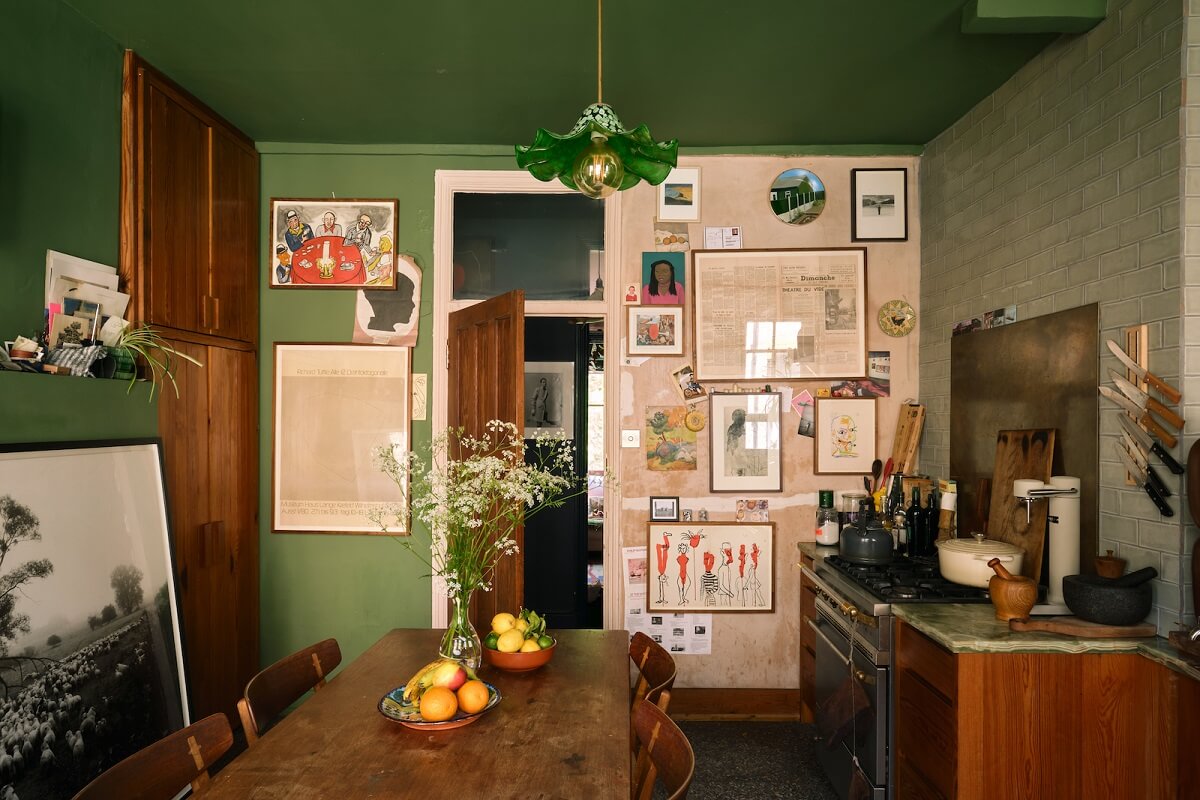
(397, 709)
(519, 662)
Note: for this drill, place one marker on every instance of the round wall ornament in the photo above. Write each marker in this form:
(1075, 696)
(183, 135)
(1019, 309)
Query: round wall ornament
(897, 318)
(695, 420)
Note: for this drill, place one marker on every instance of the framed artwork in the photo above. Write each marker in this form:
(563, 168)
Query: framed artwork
(550, 399)
(705, 567)
(844, 441)
(797, 196)
(745, 442)
(664, 277)
(779, 315)
(664, 509)
(333, 244)
(679, 196)
(670, 442)
(382, 316)
(655, 331)
(91, 608)
(879, 205)
(686, 386)
(335, 404)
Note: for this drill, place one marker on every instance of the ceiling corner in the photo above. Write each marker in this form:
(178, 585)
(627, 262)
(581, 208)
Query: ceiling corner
(1032, 16)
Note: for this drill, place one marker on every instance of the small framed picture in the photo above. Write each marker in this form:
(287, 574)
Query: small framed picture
(663, 279)
(879, 199)
(679, 196)
(664, 509)
(333, 244)
(655, 331)
(550, 399)
(744, 442)
(844, 442)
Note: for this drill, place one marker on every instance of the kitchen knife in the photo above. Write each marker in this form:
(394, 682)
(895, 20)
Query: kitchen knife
(1141, 415)
(1146, 401)
(1139, 456)
(1139, 478)
(1168, 391)
(1151, 444)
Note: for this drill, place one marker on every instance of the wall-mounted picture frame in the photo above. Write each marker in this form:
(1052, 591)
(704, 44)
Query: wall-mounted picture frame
(390, 316)
(704, 567)
(549, 399)
(333, 244)
(335, 405)
(815, 326)
(664, 279)
(744, 435)
(92, 609)
(664, 509)
(879, 205)
(797, 196)
(844, 441)
(655, 331)
(679, 196)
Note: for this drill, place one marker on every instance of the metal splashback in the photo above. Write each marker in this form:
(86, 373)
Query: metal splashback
(1038, 373)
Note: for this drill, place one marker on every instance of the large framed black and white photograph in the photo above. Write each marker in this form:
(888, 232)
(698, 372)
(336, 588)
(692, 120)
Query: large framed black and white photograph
(549, 399)
(744, 442)
(91, 660)
(879, 199)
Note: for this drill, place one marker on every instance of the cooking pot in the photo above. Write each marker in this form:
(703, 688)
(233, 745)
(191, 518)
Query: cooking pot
(965, 561)
(867, 541)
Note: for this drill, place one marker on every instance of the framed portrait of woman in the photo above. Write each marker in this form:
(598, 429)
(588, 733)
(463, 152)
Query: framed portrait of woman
(745, 442)
(663, 279)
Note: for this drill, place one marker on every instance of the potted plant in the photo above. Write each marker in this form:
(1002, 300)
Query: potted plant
(142, 343)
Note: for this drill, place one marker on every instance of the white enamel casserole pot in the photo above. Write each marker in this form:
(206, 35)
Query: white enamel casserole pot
(965, 561)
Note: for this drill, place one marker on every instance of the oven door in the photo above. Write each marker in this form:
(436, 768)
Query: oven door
(867, 737)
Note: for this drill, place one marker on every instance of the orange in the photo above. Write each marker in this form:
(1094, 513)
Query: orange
(472, 697)
(438, 704)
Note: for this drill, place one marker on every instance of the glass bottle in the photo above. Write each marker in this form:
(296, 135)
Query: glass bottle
(931, 523)
(827, 518)
(913, 517)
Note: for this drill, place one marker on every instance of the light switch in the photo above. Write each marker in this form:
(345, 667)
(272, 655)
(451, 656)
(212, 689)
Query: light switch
(631, 438)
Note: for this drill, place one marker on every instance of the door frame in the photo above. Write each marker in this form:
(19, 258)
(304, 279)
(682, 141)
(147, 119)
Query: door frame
(609, 311)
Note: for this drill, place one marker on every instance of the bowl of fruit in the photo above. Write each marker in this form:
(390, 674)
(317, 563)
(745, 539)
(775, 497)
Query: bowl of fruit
(443, 694)
(518, 643)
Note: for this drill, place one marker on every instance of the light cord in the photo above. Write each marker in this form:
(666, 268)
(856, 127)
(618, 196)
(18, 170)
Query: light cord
(599, 51)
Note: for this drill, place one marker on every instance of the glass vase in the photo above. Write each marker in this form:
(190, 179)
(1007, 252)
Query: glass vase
(460, 641)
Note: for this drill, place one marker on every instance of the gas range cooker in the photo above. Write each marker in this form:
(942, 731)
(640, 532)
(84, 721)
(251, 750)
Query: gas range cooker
(904, 580)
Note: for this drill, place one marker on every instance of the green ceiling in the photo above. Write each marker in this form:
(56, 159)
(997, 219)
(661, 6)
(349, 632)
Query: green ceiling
(709, 72)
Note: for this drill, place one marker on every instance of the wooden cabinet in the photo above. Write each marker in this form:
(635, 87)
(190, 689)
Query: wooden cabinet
(1037, 725)
(808, 643)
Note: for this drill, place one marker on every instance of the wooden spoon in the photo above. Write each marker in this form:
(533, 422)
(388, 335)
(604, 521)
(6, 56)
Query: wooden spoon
(1193, 493)
(876, 471)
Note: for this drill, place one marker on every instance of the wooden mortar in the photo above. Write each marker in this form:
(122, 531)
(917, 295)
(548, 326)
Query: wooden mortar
(1012, 595)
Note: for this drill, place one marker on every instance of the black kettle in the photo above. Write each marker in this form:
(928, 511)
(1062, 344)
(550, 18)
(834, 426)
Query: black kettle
(867, 541)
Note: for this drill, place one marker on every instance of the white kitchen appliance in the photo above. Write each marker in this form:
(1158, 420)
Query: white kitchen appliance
(1062, 530)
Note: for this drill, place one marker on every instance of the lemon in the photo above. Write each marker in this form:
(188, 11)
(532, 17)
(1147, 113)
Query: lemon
(503, 622)
(521, 625)
(529, 646)
(510, 641)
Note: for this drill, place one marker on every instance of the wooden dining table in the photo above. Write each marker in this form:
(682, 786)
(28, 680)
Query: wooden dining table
(561, 731)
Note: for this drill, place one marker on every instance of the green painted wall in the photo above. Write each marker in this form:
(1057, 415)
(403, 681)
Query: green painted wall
(60, 144)
(350, 587)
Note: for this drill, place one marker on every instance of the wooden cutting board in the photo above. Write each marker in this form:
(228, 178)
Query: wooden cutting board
(1021, 454)
(1074, 626)
(908, 434)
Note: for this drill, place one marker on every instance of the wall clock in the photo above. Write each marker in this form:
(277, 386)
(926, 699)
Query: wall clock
(897, 318)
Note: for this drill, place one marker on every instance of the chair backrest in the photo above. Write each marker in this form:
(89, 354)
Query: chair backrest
(668, 750)
(278, 686)
(161, 770)
(656, 670)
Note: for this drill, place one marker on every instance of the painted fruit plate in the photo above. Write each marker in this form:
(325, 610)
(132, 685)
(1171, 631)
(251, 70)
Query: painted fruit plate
(397, 709)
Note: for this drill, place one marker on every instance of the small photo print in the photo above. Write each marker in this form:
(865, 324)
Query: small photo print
(686, 384)
(879, 205)
(656, 620)
(700, 629)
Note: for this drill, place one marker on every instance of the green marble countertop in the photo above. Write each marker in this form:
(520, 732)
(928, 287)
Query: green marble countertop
(817, 551)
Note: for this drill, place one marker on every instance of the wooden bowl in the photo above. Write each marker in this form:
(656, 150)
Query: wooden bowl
(519, 662)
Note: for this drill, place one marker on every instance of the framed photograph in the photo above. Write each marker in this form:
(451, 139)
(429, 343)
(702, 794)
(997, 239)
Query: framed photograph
(707, 567)
(655, 331)
(335, 404)
(333, 244)
(679, 196)
(779, 315)
(844, 441)
(689, 390)
(550, 399)
(664, 276)
(664, 509)
(91, 608)
(744, 442)
(879, 205)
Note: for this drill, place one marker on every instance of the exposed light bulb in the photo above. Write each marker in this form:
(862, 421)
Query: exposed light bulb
(598, 170)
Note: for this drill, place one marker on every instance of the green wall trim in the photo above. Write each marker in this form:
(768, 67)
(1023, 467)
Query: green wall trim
(1032, 16)
(808, 150)
(501, 151)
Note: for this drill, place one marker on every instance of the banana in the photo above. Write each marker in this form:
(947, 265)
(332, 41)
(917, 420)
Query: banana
(414, 685)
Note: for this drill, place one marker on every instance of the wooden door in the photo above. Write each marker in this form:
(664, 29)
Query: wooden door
(233, 279)
(486, 382)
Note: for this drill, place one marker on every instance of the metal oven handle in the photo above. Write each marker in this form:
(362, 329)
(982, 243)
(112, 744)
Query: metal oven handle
(862, 676)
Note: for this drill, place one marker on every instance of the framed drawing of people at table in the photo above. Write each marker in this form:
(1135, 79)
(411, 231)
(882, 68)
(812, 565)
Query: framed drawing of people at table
(744, 442)
(779, 315)
(333, 244)
(335, 406)
(707, 567)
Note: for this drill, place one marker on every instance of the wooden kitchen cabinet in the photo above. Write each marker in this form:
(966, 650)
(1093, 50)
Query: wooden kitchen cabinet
(808, 643)
(1039, 725)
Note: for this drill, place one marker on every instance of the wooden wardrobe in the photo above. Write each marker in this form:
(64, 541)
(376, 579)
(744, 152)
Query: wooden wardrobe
(189, 258)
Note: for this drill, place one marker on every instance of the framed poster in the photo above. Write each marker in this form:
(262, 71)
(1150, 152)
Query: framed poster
(550, 399)
(844, 441)
(744, 442)
(679, 196)
(91, 623)
(785, 315)
(711, 566)
(879, 205)
(655, 331)
(333, 244)
(335, 404)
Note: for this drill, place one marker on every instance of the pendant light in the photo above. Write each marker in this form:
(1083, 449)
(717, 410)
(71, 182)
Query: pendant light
(599, 156)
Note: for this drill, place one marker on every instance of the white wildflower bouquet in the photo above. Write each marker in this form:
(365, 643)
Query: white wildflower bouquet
(471, 493)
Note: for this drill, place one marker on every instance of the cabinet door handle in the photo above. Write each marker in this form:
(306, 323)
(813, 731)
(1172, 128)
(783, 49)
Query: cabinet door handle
(844, 659)
(204, 311)
(216, 301)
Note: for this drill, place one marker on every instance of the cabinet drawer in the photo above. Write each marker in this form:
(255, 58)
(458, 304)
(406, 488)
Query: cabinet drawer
(919, 653)
(911, 785)
(926, 733)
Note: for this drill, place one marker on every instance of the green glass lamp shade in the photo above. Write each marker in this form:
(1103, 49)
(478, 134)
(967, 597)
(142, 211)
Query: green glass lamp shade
(552, 156)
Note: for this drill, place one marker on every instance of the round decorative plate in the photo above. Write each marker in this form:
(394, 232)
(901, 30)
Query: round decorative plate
(695, 420)
(397, 709)
(897, 318)
(797, 197)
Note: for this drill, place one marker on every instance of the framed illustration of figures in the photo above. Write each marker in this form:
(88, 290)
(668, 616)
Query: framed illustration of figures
(744, 442)
(844, 440)
(707, 567)
(333, 244)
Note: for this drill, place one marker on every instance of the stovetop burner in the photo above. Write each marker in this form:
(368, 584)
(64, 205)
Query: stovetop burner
(908, 580)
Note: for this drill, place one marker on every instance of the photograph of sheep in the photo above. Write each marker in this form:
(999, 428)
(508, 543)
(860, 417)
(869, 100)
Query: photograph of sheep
(91, 664)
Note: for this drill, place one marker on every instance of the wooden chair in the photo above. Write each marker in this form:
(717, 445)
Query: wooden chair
(669, 753)
(656, 671)
(278, 686)
(162, 770)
